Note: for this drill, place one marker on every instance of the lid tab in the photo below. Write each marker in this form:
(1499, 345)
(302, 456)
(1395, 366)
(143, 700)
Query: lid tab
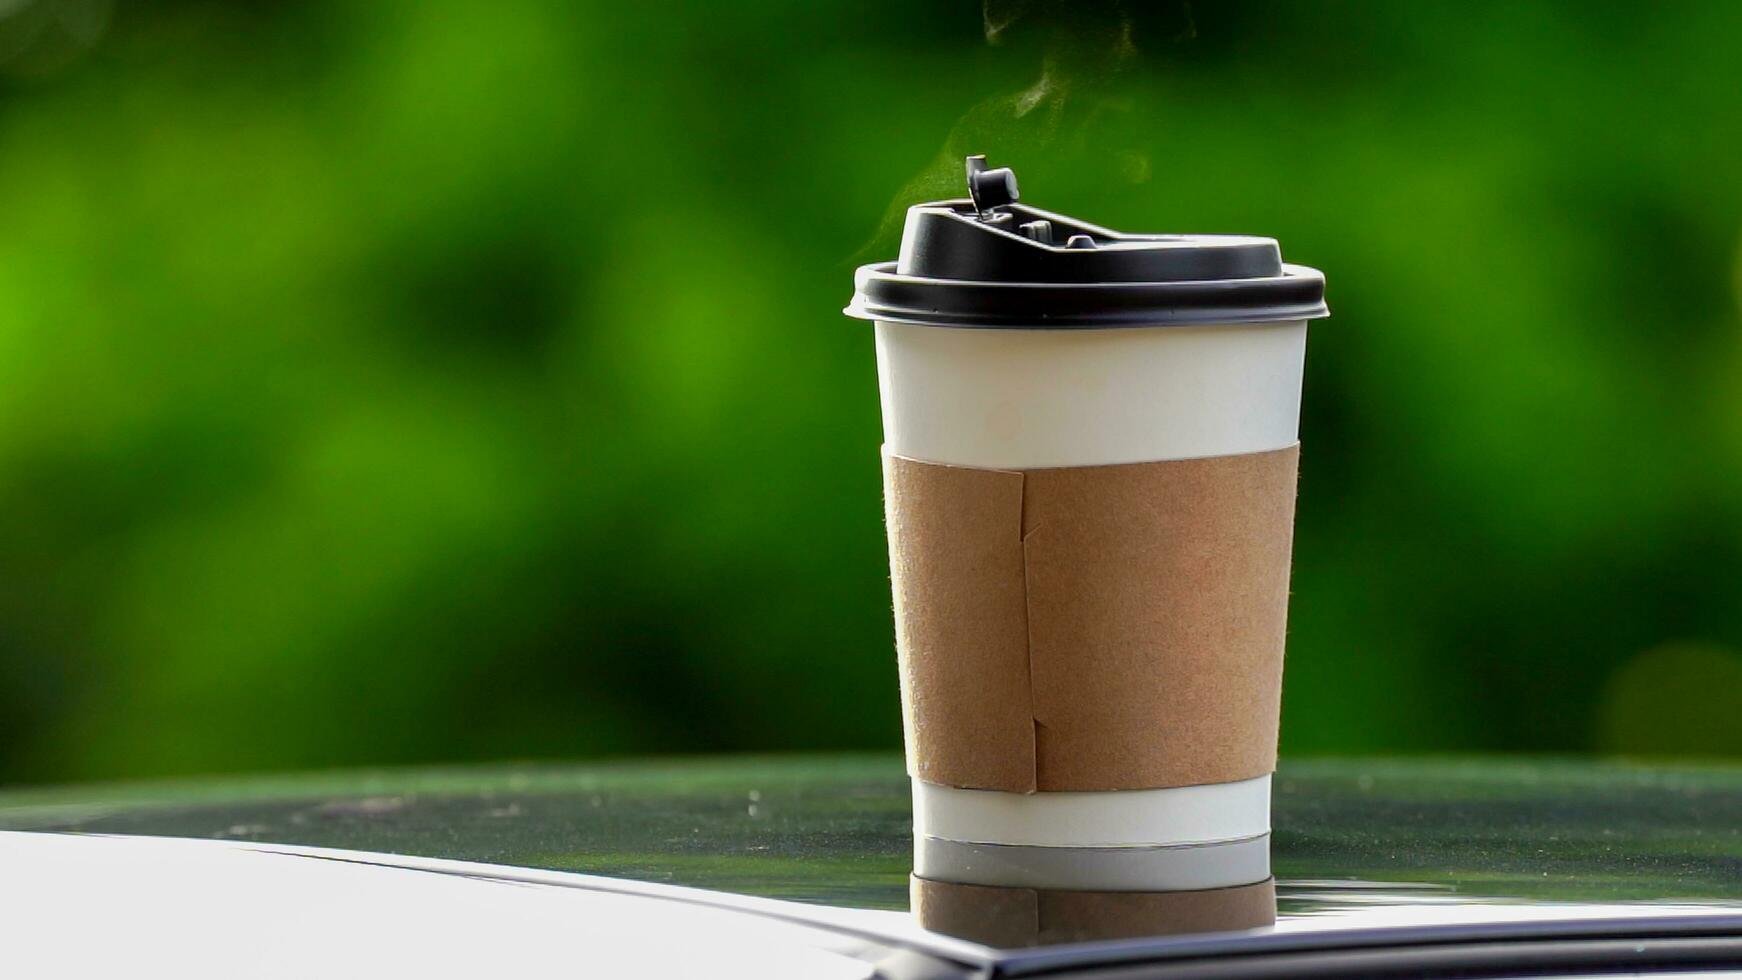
(990, 189)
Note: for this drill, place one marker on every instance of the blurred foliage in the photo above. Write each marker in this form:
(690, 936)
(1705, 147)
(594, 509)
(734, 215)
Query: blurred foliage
(395, 381)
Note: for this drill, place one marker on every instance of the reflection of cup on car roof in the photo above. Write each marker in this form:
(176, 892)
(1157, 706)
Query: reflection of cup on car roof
(1016, 895)
(1013, 914)
(1089, 468)
(1010, 917)
(1186, 867)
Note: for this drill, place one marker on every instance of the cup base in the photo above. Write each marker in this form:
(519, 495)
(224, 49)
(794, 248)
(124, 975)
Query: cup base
(1126, 818)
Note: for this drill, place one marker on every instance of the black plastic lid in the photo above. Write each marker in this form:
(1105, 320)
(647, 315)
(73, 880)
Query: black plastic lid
(989, 262)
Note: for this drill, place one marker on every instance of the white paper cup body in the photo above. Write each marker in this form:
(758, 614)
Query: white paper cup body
(1032, 399)
(1035, 399)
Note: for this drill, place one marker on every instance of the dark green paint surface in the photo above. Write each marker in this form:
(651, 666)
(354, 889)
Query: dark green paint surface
(835, 829)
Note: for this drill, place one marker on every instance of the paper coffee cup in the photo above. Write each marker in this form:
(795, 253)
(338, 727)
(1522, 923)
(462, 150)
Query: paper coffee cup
(1090, 445)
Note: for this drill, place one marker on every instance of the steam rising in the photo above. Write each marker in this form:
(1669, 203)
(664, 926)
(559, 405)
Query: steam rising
(41, 37)
(1085, 50)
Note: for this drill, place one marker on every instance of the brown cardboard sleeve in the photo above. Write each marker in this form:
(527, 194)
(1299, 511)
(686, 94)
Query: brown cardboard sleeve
(1091, 628)
(1013, 917)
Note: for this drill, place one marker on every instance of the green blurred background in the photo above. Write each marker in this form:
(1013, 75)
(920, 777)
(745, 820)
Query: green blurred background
(388, 381)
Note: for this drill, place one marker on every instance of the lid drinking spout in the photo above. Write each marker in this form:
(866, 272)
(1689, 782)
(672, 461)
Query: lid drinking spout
(990, 189)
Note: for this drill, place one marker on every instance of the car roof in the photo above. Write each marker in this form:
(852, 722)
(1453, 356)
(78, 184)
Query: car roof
(1359, 845)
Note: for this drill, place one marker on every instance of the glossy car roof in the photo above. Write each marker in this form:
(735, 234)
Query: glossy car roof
(1358, 844)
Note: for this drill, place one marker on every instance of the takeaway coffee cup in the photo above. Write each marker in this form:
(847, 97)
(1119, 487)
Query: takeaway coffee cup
(1090, 444)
